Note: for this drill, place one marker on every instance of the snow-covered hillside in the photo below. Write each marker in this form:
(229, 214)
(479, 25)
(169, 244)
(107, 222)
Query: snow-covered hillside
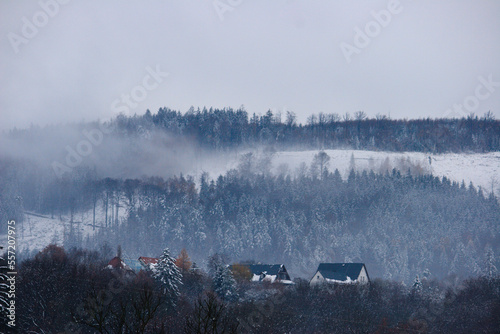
(483, 170)
(37, 230)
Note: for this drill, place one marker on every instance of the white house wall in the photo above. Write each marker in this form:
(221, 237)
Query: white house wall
(363, 276)
(317, 278)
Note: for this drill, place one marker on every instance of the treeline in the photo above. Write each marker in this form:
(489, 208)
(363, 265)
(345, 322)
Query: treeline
(227, 128)
(75, 292)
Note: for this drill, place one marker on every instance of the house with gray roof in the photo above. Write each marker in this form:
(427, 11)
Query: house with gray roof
(268, 273)
(341, 273)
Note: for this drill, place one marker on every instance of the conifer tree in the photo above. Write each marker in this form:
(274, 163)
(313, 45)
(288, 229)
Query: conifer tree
(417, 286)
(490, 270)
(168, 275)
(224, 284)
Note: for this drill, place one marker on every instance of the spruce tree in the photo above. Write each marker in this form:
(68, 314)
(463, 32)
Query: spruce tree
(490, 270)
(168, 275)
(224, 284)
(417, 286)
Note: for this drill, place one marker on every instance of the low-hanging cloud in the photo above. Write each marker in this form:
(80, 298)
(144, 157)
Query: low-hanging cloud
(112, 152)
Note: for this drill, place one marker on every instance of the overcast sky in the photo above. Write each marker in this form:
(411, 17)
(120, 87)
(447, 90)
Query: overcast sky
(279, 55)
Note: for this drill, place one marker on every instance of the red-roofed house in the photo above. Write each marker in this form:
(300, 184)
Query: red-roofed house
(148, 262)
(117, 264)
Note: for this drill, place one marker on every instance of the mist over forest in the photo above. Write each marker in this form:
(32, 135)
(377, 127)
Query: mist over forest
(169, 142)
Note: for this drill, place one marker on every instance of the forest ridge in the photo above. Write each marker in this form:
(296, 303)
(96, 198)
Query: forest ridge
(229, 128)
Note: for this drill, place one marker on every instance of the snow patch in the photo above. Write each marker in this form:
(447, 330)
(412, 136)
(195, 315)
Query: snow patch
(347, 281)
(482, 169)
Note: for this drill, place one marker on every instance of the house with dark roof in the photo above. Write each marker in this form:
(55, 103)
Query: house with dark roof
(342, 273)
(268, 273)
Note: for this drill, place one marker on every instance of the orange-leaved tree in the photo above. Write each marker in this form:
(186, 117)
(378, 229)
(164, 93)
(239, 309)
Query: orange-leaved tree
(241, 272)
(183, 261)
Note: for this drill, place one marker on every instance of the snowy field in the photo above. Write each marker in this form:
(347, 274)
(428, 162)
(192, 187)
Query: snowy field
(37, 231)
(482, 169)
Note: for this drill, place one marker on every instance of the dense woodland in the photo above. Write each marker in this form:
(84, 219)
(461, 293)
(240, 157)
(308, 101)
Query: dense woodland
(74, 292)
(228, 128)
